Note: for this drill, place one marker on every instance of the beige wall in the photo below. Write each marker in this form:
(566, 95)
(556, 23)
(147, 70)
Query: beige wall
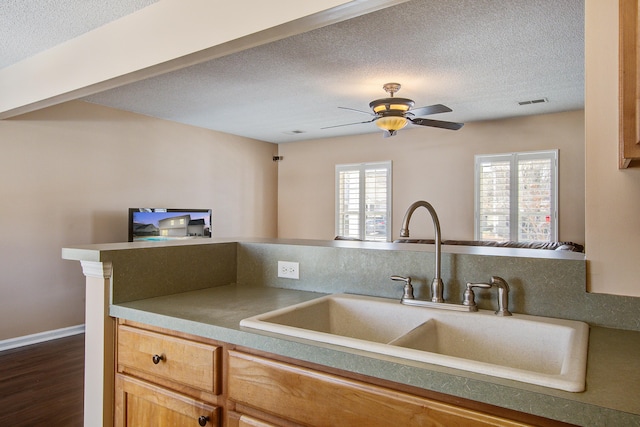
(431, 164)
(68, 175)
(612, 195)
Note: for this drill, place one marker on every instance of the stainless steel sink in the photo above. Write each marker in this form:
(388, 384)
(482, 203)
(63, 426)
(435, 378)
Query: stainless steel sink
(536, 350)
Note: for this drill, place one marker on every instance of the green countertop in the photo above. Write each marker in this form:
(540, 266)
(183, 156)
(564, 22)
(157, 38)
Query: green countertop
(612, 396)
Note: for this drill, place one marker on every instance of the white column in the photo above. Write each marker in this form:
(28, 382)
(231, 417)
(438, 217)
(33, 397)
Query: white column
(99, 369)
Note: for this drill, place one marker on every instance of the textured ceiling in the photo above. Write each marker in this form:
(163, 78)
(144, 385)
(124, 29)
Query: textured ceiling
(28, 27)
(479, 57)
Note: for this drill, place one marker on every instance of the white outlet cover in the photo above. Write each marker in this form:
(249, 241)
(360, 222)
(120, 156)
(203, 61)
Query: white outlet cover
(288, 269)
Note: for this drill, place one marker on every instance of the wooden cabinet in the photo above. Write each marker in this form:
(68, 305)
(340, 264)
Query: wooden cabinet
(139, 403)
(315, 398)
(235, 419)
(629, 146)
(165, 380)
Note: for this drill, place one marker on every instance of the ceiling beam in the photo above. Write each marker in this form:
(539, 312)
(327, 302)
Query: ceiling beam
(160, 38)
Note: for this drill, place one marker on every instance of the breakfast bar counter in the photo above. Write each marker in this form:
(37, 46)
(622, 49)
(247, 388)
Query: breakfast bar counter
(613, 370)
(206, 288)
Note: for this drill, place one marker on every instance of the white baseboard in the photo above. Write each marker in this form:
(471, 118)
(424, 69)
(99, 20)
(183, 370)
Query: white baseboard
(40, 337)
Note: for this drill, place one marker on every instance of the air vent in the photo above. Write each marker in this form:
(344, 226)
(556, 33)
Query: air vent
(534, 101)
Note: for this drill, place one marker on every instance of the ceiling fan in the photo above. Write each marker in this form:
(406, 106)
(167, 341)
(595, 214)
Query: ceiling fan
(392, 114)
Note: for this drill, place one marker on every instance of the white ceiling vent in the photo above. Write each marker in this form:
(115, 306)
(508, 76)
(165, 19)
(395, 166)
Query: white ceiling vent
(534, 101)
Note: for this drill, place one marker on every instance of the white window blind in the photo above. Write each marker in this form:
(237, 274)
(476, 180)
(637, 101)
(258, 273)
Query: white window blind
(516, 196)
(363, 201)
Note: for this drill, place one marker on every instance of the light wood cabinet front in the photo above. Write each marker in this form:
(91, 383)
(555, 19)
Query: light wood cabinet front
(166, 380)
(235, 419)
(319, 399)
(189, 386)
(139, 403)
(629, 145)
(185, 362)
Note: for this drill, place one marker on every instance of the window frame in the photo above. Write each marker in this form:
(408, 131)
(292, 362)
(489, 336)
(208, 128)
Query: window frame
(362, 168)
(514, 159)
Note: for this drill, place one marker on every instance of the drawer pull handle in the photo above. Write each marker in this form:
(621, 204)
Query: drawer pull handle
(202, 420)
(157, 358)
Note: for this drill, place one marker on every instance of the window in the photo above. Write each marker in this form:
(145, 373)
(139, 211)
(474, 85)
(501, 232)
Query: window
(363, 201)
(516, 196)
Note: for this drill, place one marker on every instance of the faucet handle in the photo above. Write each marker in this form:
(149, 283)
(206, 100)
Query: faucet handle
(408, 287)
(470, 298)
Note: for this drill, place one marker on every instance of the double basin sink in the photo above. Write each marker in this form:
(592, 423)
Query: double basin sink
(537, 350)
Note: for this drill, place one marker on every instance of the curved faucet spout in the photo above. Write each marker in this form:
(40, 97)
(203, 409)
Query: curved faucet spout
(437, 285)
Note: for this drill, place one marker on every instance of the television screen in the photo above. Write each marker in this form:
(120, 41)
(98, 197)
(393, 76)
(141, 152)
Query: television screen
(154, 224)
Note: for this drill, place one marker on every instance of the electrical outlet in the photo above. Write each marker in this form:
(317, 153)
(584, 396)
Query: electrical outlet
(288, 269)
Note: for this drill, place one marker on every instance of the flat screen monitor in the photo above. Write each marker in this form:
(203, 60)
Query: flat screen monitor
(159, 224)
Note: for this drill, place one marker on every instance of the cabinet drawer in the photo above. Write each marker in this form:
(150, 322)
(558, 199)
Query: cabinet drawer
(319, 399)
(139, 403)
(175, 359)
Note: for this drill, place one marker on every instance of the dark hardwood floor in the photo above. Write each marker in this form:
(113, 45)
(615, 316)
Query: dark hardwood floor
(42, 384)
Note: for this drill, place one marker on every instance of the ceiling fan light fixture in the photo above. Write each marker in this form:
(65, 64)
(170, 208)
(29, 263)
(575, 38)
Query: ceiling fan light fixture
(392, 114)
(391, 104)
(391, 123)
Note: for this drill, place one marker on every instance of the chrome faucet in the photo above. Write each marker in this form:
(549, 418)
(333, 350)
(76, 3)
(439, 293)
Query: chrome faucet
(468, 302)
(409, 299)
(437, 287)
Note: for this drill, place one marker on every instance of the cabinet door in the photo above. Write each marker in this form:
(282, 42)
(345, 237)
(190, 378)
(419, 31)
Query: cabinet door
(629, 146)
(319, 399)
(139, 403)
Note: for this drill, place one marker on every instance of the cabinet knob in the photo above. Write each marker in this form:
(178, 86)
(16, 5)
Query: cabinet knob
(202, 420)
(157, 358)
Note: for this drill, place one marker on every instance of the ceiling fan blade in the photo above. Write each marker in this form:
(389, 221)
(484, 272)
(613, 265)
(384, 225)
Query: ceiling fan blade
(349, 124)
(368, 113)
(436, 123)
(431, 109)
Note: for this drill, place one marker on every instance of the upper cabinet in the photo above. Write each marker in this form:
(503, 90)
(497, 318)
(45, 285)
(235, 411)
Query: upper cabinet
(629, 149)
